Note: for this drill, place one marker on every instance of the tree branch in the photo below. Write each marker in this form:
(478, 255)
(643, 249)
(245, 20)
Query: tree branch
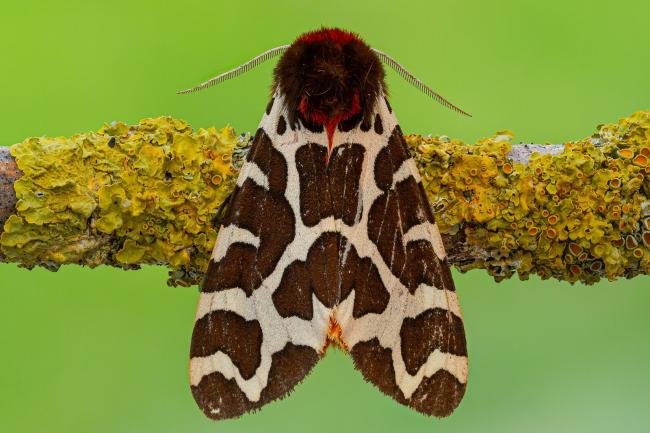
(144, 194)
(9, 172)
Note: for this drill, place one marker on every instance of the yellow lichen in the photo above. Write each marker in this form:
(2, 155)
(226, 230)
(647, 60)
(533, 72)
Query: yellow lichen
(150, 188)
(580, 215)
(128, 195)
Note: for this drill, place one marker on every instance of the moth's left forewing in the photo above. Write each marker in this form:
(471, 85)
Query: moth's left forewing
(402, 321)
(256, 336)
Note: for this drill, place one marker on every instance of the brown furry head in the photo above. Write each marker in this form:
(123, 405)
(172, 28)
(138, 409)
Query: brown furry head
(329, 75)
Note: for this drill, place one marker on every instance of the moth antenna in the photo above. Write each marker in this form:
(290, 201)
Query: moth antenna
(241, 69)
(401, 70)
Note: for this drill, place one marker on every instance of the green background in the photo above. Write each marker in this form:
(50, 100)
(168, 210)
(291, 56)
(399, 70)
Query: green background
(107, 351)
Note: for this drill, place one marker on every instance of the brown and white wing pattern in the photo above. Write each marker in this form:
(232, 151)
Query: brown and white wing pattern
(256, 333)
(320, 246)
(401, 322)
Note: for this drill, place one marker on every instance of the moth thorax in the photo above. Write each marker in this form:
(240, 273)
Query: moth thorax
(328, 76)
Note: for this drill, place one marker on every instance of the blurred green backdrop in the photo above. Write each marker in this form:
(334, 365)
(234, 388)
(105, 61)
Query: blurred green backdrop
(107, 351)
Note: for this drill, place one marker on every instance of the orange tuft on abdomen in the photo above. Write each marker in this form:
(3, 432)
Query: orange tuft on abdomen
(335, 336)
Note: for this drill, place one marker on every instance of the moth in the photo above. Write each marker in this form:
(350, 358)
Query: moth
(328, 238)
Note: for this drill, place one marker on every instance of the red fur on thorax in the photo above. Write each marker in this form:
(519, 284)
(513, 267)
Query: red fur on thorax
(337, 36)
(328, 76)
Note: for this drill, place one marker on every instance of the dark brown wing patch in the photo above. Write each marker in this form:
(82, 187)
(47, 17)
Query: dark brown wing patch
(315, 199)
(316, 275)
(282, 126)
(330, 273)
(293, 295)
(389, 159)
(221, 398)
(361, 275)
(329, 189)
(376, 364)
(379, 126)
(270, 161)
(267, 216)
(231, 334)
(344, 173)
(432, 329)
(437, 395)
(288, 367)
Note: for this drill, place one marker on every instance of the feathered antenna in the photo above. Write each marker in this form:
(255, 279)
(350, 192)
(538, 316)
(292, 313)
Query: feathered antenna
(417, 83)
(255, 61)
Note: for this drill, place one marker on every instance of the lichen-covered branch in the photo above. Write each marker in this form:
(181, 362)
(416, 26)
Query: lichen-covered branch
(144, 194)
(8, 174)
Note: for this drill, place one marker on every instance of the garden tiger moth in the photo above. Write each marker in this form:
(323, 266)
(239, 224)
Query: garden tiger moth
(328, 238)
